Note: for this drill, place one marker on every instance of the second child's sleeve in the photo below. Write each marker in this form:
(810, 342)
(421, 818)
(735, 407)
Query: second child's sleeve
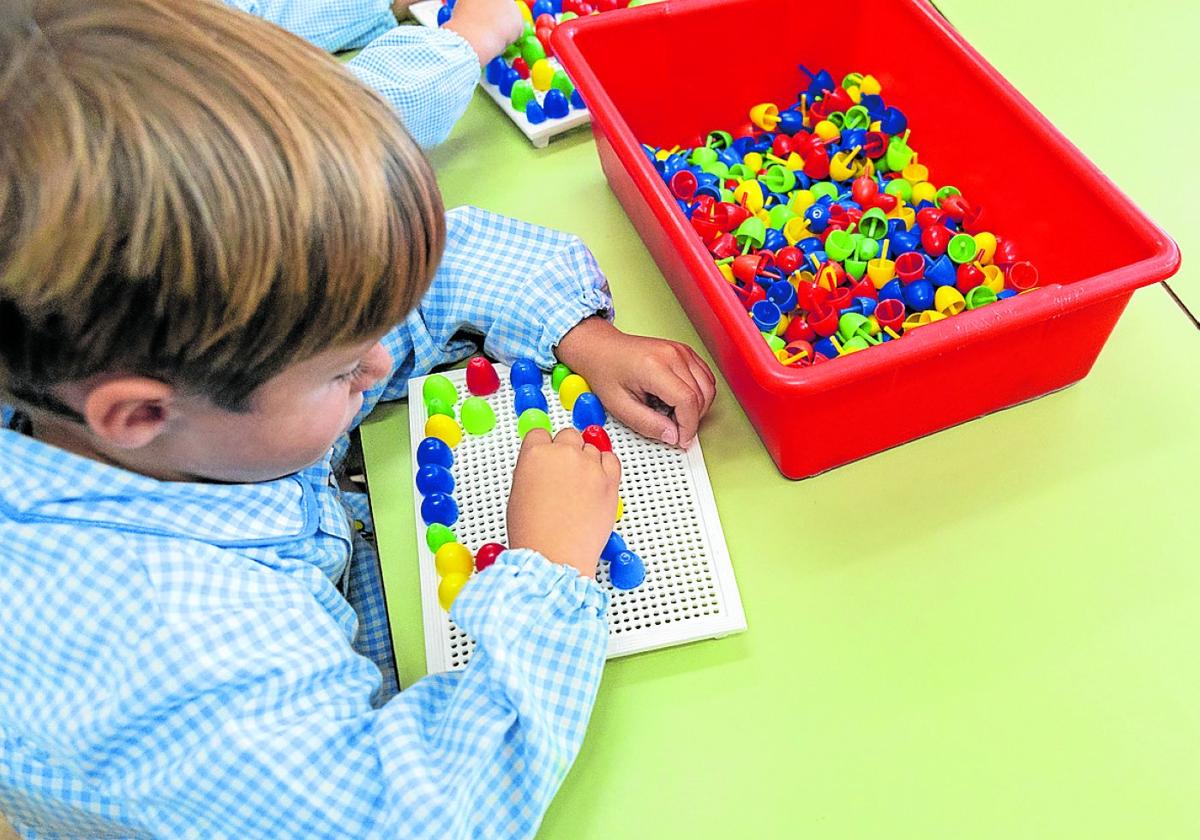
(518, 286)
(427, 75)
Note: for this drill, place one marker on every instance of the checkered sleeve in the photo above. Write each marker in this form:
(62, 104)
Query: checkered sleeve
(481, 752)
(518, 286)
(333, 25)
(264, 729)
(428, 76)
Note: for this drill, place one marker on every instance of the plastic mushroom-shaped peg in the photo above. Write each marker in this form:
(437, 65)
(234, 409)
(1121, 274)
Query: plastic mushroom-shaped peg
(482, 378)
(529, 396)
(437, 535)
(441, 508)
(434, 451)
(626, 571)
(453, 557)
(444, 428)
(438, 387)
(587, 411)
(487, 554)
(434, 479)
(477, 416)
(525, 372)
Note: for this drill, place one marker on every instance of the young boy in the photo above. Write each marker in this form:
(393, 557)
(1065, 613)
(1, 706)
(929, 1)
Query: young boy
(428, 75)
(217, 252)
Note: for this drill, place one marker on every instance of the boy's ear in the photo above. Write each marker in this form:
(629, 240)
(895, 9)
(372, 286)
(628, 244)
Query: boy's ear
(128, 411)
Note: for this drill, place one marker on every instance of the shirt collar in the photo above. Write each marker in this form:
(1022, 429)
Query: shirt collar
(45, 484)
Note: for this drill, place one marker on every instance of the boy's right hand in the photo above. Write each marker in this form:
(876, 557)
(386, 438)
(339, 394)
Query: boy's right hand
(487, 25)
(563, 501)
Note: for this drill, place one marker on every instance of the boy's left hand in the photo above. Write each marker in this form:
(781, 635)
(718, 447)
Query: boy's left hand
(637, 378)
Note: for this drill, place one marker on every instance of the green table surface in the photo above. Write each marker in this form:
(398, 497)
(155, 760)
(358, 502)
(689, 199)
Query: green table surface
(992, 632)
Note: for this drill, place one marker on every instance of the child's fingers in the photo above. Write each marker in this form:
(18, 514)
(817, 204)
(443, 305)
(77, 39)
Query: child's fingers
(644, 420)
(611, 465)
(535, 437)
(704, 379)
(685, 397)
(569, 436)
(704, 376)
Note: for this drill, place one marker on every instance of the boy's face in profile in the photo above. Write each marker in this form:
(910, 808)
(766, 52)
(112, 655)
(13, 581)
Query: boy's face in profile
(293, 420)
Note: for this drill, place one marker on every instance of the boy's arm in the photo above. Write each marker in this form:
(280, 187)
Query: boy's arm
(285, 742)
(333, 25)
(518, 286)
(427, 75)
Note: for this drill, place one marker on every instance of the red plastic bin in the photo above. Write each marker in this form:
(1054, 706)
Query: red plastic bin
(668, 72)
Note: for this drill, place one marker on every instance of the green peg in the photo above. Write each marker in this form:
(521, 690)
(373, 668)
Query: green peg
(477, 416)
(438, 387)
(557, 375)
(438, 535)
(533, 418)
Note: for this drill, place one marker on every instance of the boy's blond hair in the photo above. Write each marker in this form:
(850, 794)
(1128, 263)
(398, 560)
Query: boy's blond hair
(191, 194)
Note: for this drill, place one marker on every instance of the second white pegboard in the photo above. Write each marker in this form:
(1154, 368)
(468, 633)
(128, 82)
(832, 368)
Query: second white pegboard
(670, 521)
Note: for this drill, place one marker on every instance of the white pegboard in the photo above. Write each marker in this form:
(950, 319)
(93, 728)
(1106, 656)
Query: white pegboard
(426, 12)
(670, 521)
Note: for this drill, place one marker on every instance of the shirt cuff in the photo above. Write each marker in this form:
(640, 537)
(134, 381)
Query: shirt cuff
(524, 574)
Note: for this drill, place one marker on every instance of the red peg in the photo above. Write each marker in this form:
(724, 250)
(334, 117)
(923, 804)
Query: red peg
(521, 66)
(683, 185)
(487, 554)
(789, 258)
(597, 437)
(749, 294)
(890, 313)
(1022, 276)
(798, 329)
(820, 109)
(823, 318)
(875, 145)
(481, 377)
(886, 202)
(546, 20)
(974, 221)
(816, 163)
(724, 246)
(748, 129)
(809, 294)
(730, 215)
(863, 190)
(838, 100)
(928, 216)
(956, 207)
(968, 277)
(841, 298)
(935, 238)
(802, 143)
(748, 266)
(1007, 253)
(910, 267)
(864, 288)
(705, 226)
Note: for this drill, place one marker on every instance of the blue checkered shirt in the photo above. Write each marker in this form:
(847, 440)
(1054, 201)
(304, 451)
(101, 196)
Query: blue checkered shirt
(428, 75)
(178, 660)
